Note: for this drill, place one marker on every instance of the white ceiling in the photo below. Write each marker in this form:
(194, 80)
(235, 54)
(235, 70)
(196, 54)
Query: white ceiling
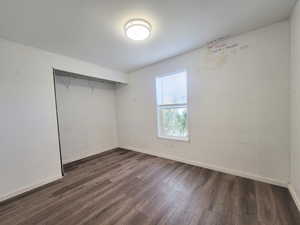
(92, 30)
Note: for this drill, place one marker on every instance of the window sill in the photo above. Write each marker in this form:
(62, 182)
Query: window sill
(183, 139)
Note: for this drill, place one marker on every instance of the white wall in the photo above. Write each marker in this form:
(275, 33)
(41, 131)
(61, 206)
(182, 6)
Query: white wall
(239, 106)
(28, 133)
(295, 104)
(87, 117)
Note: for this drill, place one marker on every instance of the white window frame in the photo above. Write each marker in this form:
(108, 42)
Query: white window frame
(172, 106)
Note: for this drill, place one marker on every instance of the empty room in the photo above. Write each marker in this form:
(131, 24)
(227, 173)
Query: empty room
(148, 112)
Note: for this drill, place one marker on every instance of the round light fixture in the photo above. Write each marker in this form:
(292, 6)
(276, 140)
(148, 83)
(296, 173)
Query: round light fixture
(137, 29)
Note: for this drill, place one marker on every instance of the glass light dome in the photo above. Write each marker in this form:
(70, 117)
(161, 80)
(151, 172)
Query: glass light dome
(137, 29)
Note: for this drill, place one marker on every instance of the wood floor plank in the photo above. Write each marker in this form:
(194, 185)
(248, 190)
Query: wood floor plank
(123, 187)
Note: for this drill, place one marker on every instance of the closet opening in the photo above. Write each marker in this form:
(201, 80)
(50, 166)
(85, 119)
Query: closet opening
(86, 117)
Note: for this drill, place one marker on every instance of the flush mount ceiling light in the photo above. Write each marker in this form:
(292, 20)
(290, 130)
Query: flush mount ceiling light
(137, 29)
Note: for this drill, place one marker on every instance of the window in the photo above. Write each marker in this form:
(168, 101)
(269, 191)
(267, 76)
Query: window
(171, 98)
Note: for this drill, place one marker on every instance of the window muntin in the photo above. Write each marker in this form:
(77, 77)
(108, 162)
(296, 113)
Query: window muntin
(171, 94)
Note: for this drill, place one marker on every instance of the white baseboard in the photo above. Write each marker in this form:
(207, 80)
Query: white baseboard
(41, 183)
(25, 189)
(191, 162)
(77, 158)
(215, 168)
(294, 195)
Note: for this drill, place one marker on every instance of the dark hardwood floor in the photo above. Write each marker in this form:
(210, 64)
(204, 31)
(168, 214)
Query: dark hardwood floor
(127, 188)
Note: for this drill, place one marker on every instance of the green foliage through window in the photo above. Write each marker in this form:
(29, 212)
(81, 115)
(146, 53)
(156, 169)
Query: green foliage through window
(174, 122)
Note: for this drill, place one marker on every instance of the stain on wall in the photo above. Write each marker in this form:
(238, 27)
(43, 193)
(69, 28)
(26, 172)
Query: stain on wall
(218, 51)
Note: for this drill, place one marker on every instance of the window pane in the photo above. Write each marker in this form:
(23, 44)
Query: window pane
(172, 89)
(173, 122)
